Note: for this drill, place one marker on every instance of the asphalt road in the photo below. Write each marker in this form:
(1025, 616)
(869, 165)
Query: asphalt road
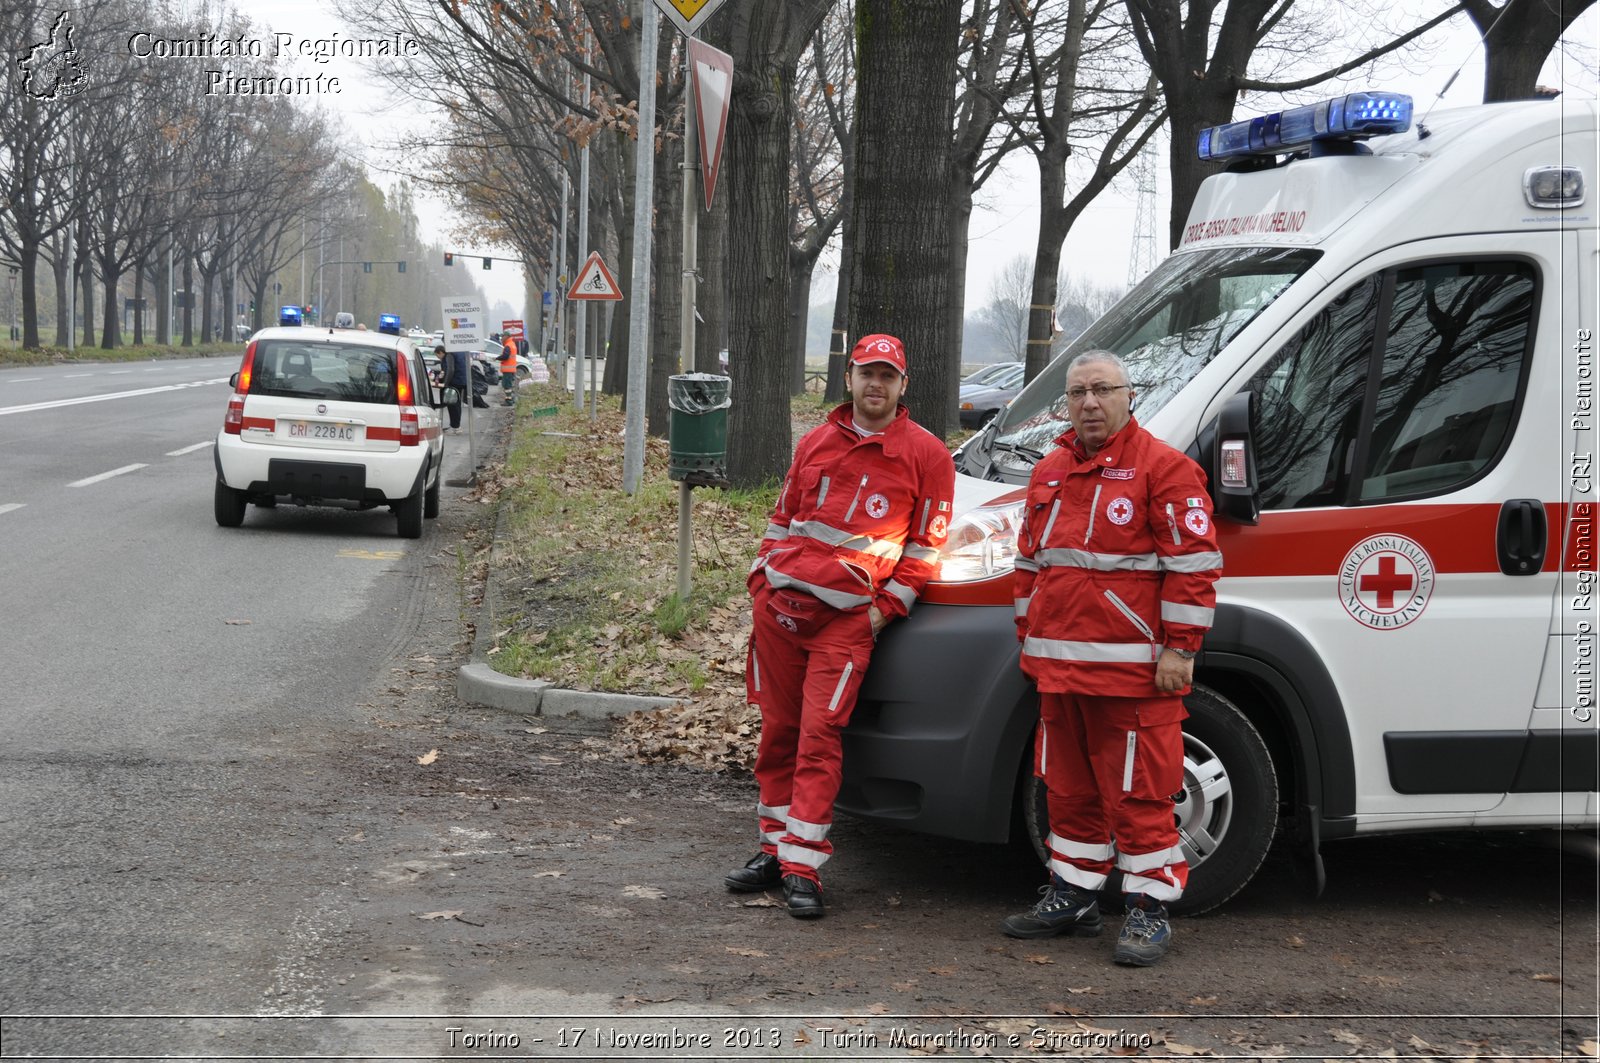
(243, 815)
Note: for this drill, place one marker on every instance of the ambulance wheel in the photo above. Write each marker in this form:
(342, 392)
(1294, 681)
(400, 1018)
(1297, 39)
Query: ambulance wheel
(408, 514)
(228, 505)
(1227, 811)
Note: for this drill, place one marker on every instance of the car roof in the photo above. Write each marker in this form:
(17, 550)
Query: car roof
(322, 334)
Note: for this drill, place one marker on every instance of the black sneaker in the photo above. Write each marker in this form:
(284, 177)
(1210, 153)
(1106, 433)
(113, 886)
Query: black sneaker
(1062, 909)
(804, 897)
(1146, 933)
(759, 873)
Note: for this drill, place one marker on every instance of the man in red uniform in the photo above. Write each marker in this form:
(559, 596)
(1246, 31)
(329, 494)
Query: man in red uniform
(1116, 562)
(852, 541)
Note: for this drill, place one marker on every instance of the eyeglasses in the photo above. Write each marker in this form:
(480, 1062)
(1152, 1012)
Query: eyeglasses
(1101, 391)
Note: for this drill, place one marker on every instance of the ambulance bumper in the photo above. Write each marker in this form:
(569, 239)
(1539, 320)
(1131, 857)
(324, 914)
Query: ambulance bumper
(942, 725)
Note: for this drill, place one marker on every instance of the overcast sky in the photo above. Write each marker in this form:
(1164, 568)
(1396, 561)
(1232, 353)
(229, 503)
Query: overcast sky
(1004, 223)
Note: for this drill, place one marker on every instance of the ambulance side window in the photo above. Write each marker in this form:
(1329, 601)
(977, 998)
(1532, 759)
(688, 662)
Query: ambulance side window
(1308, 404)
(1456, 346)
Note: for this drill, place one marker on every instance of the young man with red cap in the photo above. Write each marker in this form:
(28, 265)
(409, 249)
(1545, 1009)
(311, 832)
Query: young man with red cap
(854, 537)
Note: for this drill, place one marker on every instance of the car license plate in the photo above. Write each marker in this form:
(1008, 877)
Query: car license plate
(321, 431)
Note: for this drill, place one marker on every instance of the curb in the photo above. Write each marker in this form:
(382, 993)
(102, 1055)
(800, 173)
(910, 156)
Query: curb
(477, 683)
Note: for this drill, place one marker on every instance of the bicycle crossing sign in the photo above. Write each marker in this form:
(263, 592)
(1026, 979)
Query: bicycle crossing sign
(594, 281)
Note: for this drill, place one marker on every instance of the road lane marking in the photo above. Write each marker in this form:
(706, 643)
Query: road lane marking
(24, 380)
(373, 555)
(75, 376)
(105, 476)
(7, 507)
(191, 450)
(119, 372)
(56, 403)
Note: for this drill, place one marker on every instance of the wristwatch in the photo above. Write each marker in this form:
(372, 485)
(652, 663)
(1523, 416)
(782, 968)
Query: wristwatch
(1187, 655)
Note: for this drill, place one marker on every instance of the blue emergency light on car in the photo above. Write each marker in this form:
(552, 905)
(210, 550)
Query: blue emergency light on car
(1341, 119)
(389, 323)
(290, 315)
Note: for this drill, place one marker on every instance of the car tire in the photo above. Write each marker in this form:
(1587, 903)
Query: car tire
(228, 505)
(430, 500)
(408, 514)
(1227, 811)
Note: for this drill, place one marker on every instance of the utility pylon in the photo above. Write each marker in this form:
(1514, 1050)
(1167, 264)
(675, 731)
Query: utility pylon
(1142, 254)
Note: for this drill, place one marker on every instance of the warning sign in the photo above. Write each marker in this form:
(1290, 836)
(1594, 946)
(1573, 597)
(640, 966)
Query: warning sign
(688, 15)
(594, 281)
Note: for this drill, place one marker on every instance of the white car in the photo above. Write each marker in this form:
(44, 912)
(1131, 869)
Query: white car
(331, 417)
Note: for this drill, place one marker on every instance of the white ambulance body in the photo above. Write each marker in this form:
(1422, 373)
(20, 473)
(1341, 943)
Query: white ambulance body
(1382, 352)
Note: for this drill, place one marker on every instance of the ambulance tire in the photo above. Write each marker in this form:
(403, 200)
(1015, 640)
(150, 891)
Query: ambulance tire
(228, 505)
(408, 514)
(1230, 794)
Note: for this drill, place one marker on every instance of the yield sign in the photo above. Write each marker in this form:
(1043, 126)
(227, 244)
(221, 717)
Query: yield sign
(594, 281)
(688, 15)
(713, 88)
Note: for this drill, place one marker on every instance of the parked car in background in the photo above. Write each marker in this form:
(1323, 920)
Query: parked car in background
(979, 402)
(987, 373)
(331, 417)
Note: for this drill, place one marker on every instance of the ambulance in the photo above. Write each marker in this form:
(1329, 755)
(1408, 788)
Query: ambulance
(1377, 338)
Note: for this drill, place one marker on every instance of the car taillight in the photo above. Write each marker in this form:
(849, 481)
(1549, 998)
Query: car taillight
(410, 434)
(233, 421)
(410, 430)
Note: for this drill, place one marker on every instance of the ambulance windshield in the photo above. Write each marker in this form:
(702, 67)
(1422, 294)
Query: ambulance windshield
(1167, 329)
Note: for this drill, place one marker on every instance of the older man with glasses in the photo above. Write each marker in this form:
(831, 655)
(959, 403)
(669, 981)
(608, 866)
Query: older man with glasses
(1116, 562)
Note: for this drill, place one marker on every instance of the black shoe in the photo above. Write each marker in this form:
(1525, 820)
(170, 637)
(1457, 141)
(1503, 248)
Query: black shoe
(1146, 933)
(760, 873)
(804, 897)
(1062, 909)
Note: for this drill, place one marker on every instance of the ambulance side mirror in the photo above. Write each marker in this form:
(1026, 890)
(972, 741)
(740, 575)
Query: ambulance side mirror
(1235, 493)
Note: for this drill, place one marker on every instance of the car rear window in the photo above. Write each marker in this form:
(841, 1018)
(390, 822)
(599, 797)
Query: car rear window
(344, 373)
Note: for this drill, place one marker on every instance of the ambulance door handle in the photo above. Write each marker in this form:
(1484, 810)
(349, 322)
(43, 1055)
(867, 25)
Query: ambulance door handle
(1520, 540)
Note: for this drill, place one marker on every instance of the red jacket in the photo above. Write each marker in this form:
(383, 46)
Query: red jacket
(1116, 559)
(860, 519)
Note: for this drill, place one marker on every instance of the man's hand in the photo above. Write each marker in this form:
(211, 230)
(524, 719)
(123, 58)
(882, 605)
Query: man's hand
(1173, 672)
(879, 621)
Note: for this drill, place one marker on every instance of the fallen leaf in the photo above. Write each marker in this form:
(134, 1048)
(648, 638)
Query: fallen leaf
(1062, 1009)
(1556, 978)
(765, 900)
(756, 953)
(945, 971)
(451, 914)
(1185, 1050)
(1082, 989)
(800, 1038)
(623, 821)
(1203, 1001)
(1590, 1049)
(1294, 941)
(429, 757)
(877, 1009)
(237, 623)
(1419, 1044)
(548, 874)
(1039, 958)
(648, 893)
(1345, 1037)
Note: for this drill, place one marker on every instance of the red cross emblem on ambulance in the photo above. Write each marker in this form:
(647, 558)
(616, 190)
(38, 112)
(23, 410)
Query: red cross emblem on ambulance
(1385, 581)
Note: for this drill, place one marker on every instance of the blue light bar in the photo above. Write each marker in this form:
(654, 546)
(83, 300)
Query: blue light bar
(1343, 118)
(290, 315)
(389, 323)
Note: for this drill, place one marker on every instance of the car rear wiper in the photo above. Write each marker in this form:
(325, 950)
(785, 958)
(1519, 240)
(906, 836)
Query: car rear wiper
(1019, 450)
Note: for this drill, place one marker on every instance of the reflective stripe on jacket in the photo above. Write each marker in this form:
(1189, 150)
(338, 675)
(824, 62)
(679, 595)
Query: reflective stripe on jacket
(860, 519)
(1116, 560)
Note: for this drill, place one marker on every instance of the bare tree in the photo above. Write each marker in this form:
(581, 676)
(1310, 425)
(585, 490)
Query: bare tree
(1005, 315)
(1518, 35)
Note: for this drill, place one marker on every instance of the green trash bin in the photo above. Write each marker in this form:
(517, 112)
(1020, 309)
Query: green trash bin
(697, 434)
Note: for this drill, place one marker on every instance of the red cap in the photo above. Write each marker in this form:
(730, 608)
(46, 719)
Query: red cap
(879, 347)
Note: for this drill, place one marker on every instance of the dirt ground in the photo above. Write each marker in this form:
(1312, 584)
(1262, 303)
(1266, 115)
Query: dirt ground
(515, 870)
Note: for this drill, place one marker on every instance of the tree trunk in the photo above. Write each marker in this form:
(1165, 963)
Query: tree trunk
(188, 301)
(111, 320)
(87, 274)
(138, 303)
(64, 325)
(800, 267)
(206, 282)
(900, 283)
(756, 160)
(30, 297)
(839, 334)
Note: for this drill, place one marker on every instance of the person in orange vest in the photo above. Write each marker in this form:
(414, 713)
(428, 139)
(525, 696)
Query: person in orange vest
(508, 367)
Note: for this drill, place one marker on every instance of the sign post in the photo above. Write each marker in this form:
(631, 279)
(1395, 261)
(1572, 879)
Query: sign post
(463, 331)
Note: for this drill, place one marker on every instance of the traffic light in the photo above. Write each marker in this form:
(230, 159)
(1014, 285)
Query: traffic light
(252, 306)
(488, 263)
(449, 258)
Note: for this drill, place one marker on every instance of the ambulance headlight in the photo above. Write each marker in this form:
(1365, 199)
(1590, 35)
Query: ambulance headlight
(1553, 187)
(982, 543)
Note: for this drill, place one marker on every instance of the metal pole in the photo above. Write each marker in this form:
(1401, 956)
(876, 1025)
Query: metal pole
(691, 227)
(582, 334)
(563, 281)
(639, 317)
(322, 254)
(548, 340)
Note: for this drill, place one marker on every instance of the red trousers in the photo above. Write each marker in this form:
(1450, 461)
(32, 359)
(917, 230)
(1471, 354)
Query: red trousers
(1111, 766)
(805, 685)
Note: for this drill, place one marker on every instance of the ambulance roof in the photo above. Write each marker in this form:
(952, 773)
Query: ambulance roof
(1454, 172)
